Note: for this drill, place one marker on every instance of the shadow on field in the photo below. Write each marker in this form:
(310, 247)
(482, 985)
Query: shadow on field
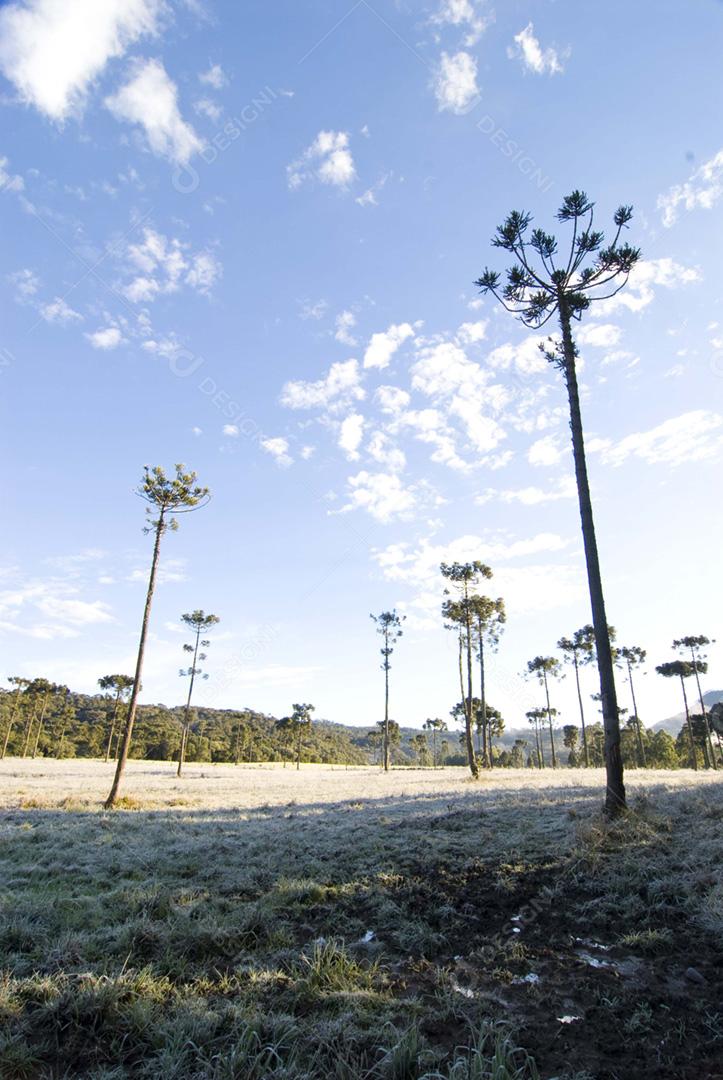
(130, 935)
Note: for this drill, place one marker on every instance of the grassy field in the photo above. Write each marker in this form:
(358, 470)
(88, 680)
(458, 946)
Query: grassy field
(255, 922)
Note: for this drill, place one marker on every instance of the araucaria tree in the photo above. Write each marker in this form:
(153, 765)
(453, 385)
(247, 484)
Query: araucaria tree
(693, 645)
(544, 668)
(459, 616)
(295, 725)
(578, 650)
(543, 283)
(634, 657)
(199, 623)
(166, 498)
(389, 625)
(489, 622)
(118, 686)
(683, 669)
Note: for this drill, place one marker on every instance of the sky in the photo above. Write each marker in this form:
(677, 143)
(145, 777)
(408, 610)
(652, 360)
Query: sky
(245, 237)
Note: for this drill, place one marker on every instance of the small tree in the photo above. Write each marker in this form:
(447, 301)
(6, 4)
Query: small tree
(683, 669)
(199, 623)
(544, 668)
(295, 725)
(435, 725)
(166, 498)
(120, 686)
(421, 748)
(536, 718)
(570, 736)
(694, 645)
(634, 657)
(463, 578)
(389, 625)
(541, 285)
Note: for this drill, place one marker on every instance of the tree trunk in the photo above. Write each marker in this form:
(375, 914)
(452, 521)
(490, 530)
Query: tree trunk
(474, 767)
(298, 750)
(615, 790)
(582, 710)
(13, 717)
(706, 725)
(549, 720)
(186, 715)
(693, 752)
(40, 723)
(28, 732)
(112, 726)
(538, 740)
(641, 747)
(132, 704)
(486, 748)
(385, 745)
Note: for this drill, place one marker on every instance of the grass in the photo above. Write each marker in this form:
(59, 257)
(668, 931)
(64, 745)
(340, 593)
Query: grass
(259, 922)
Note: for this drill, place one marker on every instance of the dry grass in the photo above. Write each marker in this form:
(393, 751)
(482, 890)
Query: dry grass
(259, 922)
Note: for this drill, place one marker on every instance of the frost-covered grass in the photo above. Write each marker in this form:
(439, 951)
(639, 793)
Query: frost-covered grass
(256, 921)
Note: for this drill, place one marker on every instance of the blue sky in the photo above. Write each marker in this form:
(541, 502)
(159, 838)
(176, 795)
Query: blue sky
(244, 237)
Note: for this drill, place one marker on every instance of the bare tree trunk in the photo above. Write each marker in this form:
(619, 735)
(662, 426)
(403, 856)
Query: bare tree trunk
(486, 748)
(11, 722)
(706, 725)
(28, 731)
(615, 791)
(112, 726)
(186, 715)
(132, 704)
(582, 710)
(40, 723)
(538, 740)
(693, 752)
(549, 720)
(385, 747)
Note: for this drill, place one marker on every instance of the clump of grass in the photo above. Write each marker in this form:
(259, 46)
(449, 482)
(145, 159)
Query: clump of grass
(649, 942)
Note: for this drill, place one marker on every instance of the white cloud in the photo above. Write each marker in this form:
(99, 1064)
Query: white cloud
(464, 13)
(209, 109)
(455, 84)
(369, 197)
(338, 388)
(545, 451)
(231, 430)
(534, 58)
(109, 337)
(693, 436)
(471, 332)
(702, 191)
(599, 335)
(57, 311)
(644, 279)
(351, 434)
(165, 265)
(328, 159)
(526, 357)
(382, 346)
(8, 181)
(525, 588)
(381, 448)
(55, 603)
(52, 50)
(565, 488)
(392, 399)
(279, 450)
(381, 494)
(26, 284)
(150, 98)
(215, 77)
(345, 322)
